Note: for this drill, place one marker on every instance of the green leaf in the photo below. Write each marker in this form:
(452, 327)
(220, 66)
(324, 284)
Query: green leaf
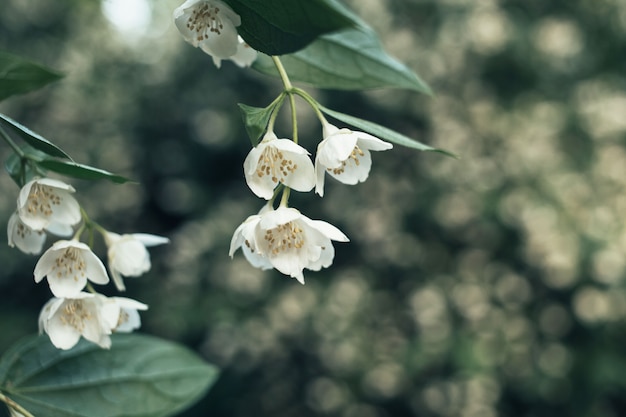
(18, 75)
(277, 27)
(20, 171)
(352, 59)
(83, 172)
(33, 139)
(256, 119)
(382, 132)
(140, 376)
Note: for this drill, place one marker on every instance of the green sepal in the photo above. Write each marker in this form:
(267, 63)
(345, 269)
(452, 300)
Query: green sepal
(140, 376)
(18, 75)
(33, 139)
(382, 132)
(351, 59)
(256, 119)
(278, 27)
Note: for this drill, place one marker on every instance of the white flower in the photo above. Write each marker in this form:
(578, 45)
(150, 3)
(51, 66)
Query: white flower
(209, 25)
(68, 264)
(244, 238)
(128, 256)
(245, 55)
(345, 155)
(26, 239)
(121, 313)
(65, 320)
(46, 202)
(275, 161)
(289, 241)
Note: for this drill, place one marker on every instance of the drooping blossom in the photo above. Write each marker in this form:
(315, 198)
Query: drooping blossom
(68, 264)
(46, 202)
(278, 161)
(128, 256)
(345, 155)
(287, 240)
(65, 320)
(26, 239)
(122, 313)
(209, 25)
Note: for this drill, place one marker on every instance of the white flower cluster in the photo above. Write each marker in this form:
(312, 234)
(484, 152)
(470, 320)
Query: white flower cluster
(46, 205)
(211, 26)
(283, 238)
(280, 238)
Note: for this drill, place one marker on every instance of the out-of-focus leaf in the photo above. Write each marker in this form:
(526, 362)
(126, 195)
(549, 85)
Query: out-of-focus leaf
(140, 376)
(18, 75)
(256, 120)
(33, 139)
(351, 59)
(277, 27)
(382, 132)
(84, 172)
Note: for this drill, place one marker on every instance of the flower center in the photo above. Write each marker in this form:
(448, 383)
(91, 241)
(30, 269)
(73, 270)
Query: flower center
(285, 237)
(41, 199)
(272, 162)
(70, 264)
(205, 20)
(354, 156)
(74, 314)
(22, 231)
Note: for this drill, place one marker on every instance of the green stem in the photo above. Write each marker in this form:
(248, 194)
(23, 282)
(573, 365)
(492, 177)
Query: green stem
(312, 102)
(12, 404)
(294, 118)
(282, 73)
(276, 103)
(285, 197)
(12, 144)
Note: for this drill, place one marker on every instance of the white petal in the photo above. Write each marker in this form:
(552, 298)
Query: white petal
(354, 173)
(333, 150)
(60, 229)
(129, 256)
(303, 177)
(367, 141)
(118, 280)
(222, 45)
(150, 240)
(255, 259)
(324, 260)
(245, 55)
(320, 174)
(27, 240)
(51, 182)
(45, 264)
(277, 217)
(290, 146)
(62, 335)
(96, 272)
(66, 287)
(327, 229)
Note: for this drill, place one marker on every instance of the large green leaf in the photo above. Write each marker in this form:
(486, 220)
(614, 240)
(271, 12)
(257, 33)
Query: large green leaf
(382, 132)
(352, 59)
(33, 139)
(18, 75)
(277, 27)
(140, 376)
(83, 172)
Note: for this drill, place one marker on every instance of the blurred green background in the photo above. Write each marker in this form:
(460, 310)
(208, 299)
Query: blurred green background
(492, 285)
